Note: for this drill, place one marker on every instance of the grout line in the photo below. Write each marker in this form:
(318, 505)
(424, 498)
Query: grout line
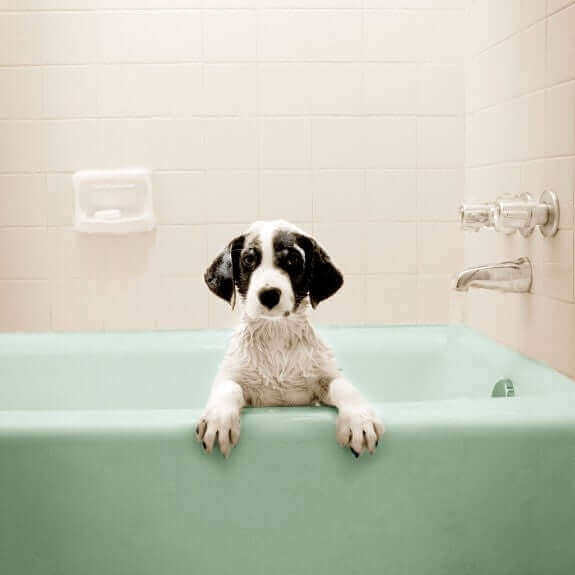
(517, 163)
(545, 79)
(194, 61)
(363, 102)
(258, 114)
(199, 224)
(200, 171)
(213, 117)
(561, 84)
(497, 43)
(560, 9)
(514, 99)
(518, 32)
(504, 102)
(229, 9)
(17, 279)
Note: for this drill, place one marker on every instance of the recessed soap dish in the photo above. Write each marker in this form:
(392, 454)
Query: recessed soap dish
(114, 201)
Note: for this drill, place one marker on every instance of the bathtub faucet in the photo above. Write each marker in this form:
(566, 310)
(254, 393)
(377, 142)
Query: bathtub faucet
(511, 276)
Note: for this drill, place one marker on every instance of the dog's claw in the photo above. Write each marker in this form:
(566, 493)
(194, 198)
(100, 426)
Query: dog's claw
(219, 427)
(358, 428)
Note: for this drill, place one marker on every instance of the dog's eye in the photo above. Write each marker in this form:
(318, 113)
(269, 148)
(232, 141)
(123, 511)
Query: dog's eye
(292, 261)
(249, 259)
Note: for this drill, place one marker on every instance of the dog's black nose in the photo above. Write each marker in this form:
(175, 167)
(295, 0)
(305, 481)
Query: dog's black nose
(270, 297)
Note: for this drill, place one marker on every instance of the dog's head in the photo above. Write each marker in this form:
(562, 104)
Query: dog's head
(274, 266)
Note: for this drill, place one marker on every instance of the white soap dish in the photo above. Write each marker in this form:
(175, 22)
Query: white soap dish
(114, 201)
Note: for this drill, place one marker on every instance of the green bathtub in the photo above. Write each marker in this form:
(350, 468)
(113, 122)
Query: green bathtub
(100, 473)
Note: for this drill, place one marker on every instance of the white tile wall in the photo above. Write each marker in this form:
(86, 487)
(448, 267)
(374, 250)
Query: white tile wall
(276, 186)
(21, 94)
(520, 118)
(285, 143)
(392, 248)
(230, 35)
(343, 116)
(25, 305)
(391, 195)
(316, 35)
(24, 254)
(23, 200)
(392, 88)
(392, 299)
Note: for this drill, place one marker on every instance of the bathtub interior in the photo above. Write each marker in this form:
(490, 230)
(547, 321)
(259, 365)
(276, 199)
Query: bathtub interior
(173, 370)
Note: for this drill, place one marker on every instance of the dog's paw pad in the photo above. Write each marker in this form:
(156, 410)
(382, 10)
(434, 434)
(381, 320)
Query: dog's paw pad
(219, 426)
(359, 429)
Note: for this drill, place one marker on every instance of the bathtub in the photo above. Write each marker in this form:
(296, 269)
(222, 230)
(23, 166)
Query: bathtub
(100, 473)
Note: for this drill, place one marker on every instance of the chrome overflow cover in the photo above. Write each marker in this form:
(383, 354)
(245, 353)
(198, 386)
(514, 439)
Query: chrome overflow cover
(503, 388)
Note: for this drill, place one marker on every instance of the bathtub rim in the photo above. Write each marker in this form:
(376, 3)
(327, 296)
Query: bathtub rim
(450, 414)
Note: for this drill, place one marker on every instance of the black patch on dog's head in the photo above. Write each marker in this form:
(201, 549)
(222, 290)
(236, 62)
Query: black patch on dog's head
(289, 258)
(219, 276)
(312, 274)
(248, 258)
(233, 268)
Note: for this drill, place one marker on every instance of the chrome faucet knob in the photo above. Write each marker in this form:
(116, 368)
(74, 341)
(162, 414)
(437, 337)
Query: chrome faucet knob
(525, 214)
(475, 216)
(512, 214)
(509, 214)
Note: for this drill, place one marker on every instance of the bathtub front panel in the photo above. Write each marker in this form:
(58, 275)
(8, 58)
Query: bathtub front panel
(439, 497)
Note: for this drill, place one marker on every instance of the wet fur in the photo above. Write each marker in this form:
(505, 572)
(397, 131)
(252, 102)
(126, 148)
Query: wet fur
(279, 360)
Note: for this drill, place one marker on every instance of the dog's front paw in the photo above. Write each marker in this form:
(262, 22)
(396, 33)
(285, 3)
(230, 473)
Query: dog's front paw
(359, 429)
(219, 425)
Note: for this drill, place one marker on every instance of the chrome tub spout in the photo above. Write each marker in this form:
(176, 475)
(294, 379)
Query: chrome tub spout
(509, 276)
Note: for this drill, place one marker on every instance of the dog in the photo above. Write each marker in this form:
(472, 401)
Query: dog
(275, 357)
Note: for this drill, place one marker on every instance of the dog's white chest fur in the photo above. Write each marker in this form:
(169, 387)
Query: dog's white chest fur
(280, 362)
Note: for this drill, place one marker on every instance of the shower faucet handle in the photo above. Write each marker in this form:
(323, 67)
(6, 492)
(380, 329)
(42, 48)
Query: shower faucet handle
(522, 213)
(525, 214)
(474, 217)
(516, 213)
(508, 214)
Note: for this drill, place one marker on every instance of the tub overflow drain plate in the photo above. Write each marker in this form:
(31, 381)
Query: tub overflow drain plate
(503, 388)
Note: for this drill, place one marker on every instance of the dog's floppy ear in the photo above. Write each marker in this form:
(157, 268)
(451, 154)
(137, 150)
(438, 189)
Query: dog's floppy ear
(219, 276)
(324, 278)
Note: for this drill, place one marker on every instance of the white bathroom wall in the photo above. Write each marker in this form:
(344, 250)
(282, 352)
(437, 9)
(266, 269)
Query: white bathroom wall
(344, 116)
(520, 132)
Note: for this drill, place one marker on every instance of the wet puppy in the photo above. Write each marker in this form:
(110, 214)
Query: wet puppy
(275, 356)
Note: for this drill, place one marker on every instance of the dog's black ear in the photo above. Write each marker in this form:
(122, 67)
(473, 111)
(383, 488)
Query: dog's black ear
(324, 278)
(219, 276)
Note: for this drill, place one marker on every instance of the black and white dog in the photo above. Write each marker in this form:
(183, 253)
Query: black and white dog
(275, 356)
